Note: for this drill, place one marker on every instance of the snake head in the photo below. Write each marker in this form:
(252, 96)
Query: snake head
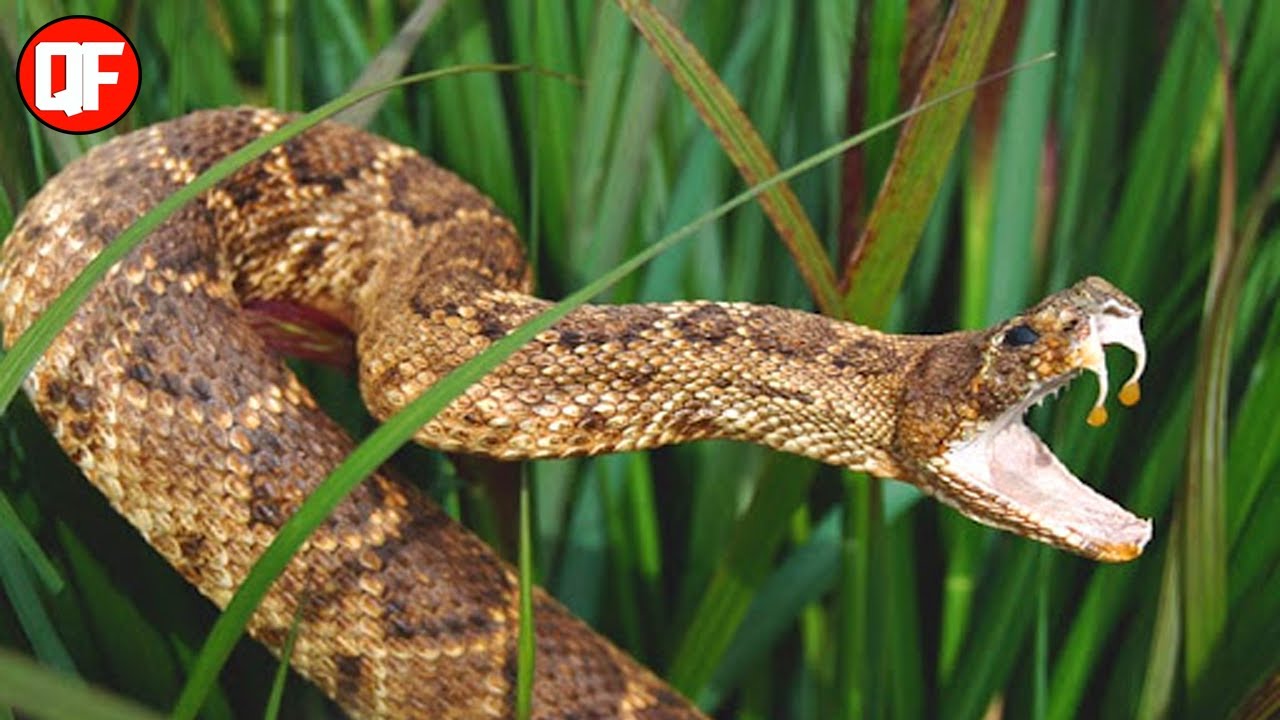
(982, 459)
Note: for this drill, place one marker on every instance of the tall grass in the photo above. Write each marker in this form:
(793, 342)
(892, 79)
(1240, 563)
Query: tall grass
(763, 585)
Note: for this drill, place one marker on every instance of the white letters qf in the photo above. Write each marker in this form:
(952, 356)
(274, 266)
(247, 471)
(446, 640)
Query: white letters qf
(83, 75)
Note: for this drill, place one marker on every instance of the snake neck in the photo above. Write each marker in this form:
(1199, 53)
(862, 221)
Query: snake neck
(612, 378)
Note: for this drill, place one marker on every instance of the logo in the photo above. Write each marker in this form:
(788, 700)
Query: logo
(78, 74)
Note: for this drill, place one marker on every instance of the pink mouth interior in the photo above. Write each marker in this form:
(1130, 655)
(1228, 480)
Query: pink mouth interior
(1010, 462)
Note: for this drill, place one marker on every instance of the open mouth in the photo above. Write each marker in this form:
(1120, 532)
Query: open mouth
(1021, 484)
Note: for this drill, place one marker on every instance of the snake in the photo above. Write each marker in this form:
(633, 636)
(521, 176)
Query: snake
(175, 404)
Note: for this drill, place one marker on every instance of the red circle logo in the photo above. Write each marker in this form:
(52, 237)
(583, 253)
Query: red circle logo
(78, 74)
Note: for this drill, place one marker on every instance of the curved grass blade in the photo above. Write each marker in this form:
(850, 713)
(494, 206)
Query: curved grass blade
(43, 693)
(720, 111)
(15, 365)
(282, 669)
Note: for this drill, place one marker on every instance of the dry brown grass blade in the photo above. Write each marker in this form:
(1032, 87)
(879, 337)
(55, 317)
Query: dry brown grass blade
(878, 263)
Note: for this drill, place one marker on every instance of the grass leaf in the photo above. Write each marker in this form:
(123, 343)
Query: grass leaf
(741, 142)
(43, 693)
(879, 262)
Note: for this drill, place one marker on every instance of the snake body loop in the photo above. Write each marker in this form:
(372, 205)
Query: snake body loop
(196, 432)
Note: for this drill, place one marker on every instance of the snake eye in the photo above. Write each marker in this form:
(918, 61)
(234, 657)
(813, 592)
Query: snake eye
(1020, 335)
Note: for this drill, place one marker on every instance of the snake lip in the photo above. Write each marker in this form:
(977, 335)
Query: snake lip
(1009, 478)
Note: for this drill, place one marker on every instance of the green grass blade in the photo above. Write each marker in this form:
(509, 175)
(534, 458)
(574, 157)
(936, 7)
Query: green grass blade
(1166, 637)
(527, 640)
(1254, 447)
(738, 577)
(721, 112)
(6, 212)
(1259, 91)
(860, 652)
(987, 650)
(138, 654)
(799, 579)
(584, 560)
(278, 683)
(216, 707)
(20, 591)
(906, 687)
(1040, 683)
(886, 37)
(542, 36)
(644, 533)
(623, 595)
(282, 76)
(1160, 162)
(475, 131)
(1020, 152)
(1244, 673)
(600, 105)
(602, 228)
(1255, 441)
(43, 693)
(13, 526)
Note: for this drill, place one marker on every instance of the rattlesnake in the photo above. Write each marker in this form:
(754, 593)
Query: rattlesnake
(194, 430)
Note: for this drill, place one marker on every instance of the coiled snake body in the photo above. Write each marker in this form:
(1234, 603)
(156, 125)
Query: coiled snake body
(194, 430)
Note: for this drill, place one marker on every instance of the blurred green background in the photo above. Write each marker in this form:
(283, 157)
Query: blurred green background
(762, 585)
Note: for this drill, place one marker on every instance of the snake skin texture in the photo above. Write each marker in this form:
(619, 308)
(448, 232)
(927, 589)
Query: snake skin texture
(197, 432)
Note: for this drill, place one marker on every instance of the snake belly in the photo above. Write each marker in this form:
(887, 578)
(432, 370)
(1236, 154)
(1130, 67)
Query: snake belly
(179, 412)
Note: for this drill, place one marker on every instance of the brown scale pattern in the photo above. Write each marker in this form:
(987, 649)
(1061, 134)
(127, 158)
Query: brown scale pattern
(199, 435)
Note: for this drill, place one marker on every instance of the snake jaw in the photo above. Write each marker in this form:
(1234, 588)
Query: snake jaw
(1001, 474)
(1009, 478)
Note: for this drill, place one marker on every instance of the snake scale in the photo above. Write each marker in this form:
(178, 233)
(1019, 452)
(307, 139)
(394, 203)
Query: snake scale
(197, 432)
